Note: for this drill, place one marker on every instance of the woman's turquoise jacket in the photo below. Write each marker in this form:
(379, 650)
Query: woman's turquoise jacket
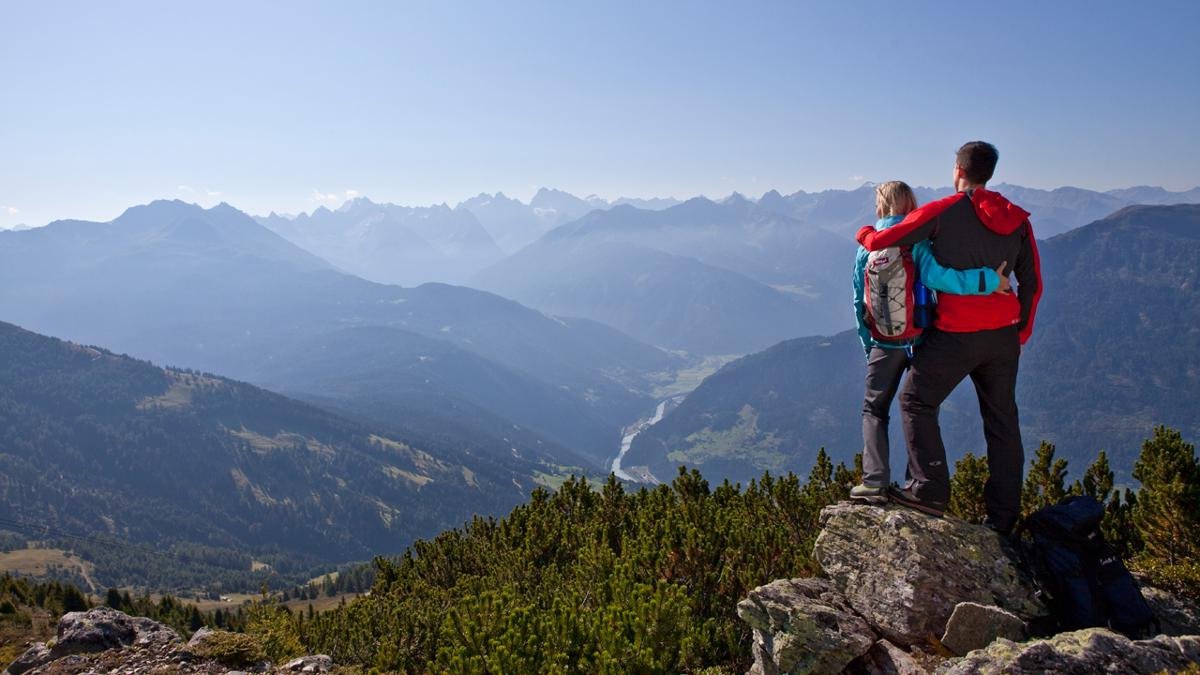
(932, 274)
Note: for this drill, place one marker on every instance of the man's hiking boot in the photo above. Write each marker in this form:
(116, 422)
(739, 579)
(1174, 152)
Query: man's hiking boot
(868, 494)
(905, 497)
(994, 526)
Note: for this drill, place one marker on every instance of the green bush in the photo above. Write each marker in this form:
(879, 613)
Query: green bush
(275, 628)
(235, 650)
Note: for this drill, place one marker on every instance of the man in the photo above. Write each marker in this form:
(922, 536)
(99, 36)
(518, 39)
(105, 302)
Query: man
(974, 335)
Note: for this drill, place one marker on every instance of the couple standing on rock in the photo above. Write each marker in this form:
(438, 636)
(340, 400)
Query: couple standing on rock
(964, 247)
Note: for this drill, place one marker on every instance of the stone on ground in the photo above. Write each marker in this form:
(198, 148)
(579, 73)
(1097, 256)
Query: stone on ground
(974, 626)
(803, 626)
(1092, 650)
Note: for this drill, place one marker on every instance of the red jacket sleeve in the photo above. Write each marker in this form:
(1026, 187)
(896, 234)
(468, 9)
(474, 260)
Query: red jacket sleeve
(1028, 270)
(915, 227)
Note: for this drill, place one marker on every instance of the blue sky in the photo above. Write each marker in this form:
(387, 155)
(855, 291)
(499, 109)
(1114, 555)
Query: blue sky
(286, 106)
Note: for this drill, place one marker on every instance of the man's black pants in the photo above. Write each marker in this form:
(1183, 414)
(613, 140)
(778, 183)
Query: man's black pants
(942, 360)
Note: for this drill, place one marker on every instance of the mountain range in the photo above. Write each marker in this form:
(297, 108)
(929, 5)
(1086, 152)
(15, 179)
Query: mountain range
(700, 276)
(392, 244)
(1114, 352)
(703, 277)
(734, 276)
(514, 224)
(214, 290)
(1052, 211)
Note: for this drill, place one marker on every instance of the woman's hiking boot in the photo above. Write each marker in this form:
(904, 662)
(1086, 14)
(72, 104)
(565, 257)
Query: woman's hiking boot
(905, 497)
(868, 494)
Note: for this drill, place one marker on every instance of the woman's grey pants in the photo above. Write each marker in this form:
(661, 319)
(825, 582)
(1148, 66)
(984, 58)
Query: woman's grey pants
(885, 367)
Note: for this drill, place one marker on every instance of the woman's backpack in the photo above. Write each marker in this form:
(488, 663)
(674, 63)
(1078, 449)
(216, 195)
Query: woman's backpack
(1078, 575)
(890, 293)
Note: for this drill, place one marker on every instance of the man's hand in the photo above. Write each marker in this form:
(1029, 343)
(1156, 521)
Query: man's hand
(1005, 285)
(863, 232)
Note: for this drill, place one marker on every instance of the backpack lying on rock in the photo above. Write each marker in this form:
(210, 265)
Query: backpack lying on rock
(1080, 577)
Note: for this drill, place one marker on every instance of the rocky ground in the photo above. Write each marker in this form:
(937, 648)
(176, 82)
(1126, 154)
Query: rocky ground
(907, 593)
(104, 640)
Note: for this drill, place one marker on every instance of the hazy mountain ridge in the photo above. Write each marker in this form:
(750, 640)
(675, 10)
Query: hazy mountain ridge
(514, 224)
(798, 245)
(1052, 211)
(392, 244)
(699, 276)
(1115, 351)
(780, 243)
(409, 246)
(138, 285)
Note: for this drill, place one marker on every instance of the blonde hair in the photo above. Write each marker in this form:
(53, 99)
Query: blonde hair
(894, 198)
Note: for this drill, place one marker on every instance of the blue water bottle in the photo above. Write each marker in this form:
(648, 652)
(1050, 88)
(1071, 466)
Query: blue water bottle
(923, 299)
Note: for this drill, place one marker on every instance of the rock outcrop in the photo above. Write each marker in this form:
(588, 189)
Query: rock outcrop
(803, 625)
(36, 655)
(1176, 615)
(105, 640)
(1093, 650)
(104, 628)
(913, 569)
(907, 594)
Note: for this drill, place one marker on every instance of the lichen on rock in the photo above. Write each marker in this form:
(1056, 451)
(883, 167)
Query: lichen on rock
(1092, 650)
(803, 626)
(931, 588)
(904, 571)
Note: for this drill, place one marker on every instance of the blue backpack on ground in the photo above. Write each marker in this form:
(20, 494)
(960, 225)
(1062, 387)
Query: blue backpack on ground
(1078, 575)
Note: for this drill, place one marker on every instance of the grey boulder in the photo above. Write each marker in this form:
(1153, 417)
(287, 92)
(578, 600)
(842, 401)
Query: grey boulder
(886, 658)
(317, 663)
(803, 626)
(1092, 650)
(1176, 615)
(974, 626)
(37, 654)
(905, 572)
(106, 628)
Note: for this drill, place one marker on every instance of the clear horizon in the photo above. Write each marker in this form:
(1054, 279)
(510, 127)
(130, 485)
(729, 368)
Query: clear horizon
(291, 107)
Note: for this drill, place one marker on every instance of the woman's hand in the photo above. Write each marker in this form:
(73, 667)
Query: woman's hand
(1005, 286)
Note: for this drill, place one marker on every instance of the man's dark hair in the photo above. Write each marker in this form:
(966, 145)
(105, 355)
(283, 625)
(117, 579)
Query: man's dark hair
(978, 160)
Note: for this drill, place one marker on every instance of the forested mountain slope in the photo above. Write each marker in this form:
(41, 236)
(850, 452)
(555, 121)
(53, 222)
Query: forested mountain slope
(92, 443)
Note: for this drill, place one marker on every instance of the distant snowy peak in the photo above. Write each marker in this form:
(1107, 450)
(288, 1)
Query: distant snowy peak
(388, 243)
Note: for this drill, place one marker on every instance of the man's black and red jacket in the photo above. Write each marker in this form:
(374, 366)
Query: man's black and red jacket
(976, 228)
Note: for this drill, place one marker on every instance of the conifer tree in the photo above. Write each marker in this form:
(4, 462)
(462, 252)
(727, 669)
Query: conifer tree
(73, 600)
(821, 488)
(113, 598)
(966, 488)
(1044, 482)
(1117, 526)
(1097, 480)
(1167, 514)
